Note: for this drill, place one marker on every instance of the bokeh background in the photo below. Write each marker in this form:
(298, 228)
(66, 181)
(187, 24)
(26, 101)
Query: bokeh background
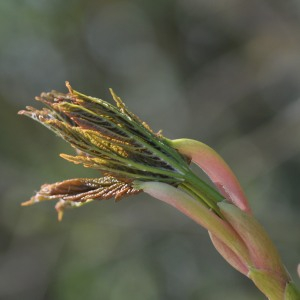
(223, 72)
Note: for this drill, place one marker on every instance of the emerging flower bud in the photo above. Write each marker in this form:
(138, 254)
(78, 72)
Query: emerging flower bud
(107, 138)
(76, 192)
(111, 139)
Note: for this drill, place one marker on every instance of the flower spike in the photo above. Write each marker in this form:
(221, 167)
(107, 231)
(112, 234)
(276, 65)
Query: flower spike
(116, 142)
(112, 139)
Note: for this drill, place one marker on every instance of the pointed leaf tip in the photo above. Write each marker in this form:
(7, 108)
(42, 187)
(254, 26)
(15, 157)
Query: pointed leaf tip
(68, 85)
(27, 203)
(60, 207)
(215, 168)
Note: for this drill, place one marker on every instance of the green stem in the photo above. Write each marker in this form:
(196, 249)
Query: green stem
(202, 191)
(291, 292)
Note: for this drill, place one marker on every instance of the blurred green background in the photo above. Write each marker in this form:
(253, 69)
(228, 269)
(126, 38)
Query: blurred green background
(223, 72)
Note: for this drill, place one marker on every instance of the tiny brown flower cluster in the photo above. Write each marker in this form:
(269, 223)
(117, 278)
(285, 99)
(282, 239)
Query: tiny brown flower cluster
(108, 138)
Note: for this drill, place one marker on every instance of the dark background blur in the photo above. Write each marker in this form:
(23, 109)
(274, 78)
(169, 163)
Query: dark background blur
(223, 72)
